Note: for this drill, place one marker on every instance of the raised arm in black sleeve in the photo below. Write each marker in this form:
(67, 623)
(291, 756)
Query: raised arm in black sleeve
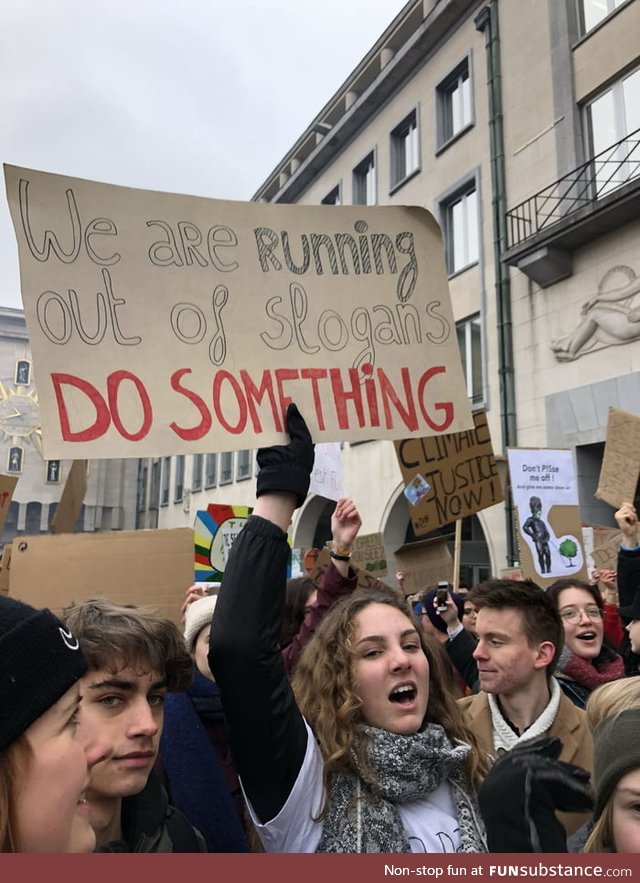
(267, 730)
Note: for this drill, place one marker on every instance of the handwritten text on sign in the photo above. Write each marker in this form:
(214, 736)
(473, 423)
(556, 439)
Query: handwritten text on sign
(458, 471)
(162, 323)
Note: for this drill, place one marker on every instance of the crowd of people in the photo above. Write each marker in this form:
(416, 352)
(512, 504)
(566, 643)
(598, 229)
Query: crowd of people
(311, 715)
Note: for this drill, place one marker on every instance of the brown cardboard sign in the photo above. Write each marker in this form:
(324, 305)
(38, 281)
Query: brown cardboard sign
(448, 477)
(621, 460)
(143, 567)
(7, 486)
(606, 545)
(344, 310)
(71, 499)
(424, 563)
(368, 554)
(366, 580)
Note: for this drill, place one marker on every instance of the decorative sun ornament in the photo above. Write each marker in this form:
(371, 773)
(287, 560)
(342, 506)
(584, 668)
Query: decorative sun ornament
(20, 416)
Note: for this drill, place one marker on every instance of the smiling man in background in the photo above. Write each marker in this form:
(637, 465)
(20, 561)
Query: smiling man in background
(520, 637)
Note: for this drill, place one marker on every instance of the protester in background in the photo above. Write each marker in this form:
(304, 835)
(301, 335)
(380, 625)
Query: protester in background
(520, 637)
(628, 573)
(457, 643)
(135, 657)
(195, 763)
(606, 583)
(632, 614)
(300, 595)
(469, 614)
(628, 566)
(378, 720)
(44, 765)
(613, 713)
(586, 660)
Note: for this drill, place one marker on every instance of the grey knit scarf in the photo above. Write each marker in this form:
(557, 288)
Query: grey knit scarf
(407, 768)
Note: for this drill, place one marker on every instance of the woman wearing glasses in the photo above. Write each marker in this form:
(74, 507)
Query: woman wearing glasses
(587, 659)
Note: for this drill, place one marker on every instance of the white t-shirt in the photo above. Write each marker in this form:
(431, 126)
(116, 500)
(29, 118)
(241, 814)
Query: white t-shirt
(431, 823)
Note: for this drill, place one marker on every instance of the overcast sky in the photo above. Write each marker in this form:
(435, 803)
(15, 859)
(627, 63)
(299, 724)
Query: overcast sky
(191, 96)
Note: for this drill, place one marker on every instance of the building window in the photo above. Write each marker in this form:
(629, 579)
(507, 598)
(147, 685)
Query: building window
(334, 197)
(196, 474)
(33, 518)
(166, 481)
(405, 149)
(179, 481)
(611, 117)
(154, 490)
(460, 224)
(243, 465)
(364, 182)
(470, 343)
(454, 103)
(211, 470)
(226, 467)
(15, 458)
(595, 11)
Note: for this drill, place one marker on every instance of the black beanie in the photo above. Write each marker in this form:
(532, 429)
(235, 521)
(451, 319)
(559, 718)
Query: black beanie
(616, 752)
(39, 661)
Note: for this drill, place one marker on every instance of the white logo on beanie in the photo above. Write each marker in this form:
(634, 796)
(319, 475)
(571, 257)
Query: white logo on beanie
(70, 640)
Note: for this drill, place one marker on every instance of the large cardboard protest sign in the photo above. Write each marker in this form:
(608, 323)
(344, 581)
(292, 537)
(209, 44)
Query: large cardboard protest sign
(621, 460)
(544, 489)
(143, 567)
(163, 324)
(602, 545)
(449, 476)
(425, 563)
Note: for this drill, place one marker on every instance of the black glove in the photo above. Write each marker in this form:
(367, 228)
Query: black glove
(288, 467)
(521, 793)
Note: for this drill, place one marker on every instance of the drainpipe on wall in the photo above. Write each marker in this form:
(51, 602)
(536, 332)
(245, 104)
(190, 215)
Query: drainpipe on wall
(487, 21)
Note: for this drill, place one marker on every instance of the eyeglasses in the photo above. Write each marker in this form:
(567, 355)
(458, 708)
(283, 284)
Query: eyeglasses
(573, 614)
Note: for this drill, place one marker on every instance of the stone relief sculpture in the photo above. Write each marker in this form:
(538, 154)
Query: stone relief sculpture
(608, 318)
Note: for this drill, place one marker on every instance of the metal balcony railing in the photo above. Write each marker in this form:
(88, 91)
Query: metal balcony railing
(597, 177)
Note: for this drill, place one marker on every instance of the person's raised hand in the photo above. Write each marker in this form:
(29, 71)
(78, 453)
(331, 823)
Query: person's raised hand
(627, 519)
(345, 523)
(521, 793)
(193, 593)
(449, 616)
(287, 468)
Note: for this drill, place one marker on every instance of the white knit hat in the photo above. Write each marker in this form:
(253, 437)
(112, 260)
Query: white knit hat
(198, 615)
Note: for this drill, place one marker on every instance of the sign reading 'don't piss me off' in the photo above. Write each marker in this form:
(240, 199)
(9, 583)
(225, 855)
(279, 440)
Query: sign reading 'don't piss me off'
(163, 324)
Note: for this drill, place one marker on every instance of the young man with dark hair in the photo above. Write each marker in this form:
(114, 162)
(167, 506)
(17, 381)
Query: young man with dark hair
(135, 657)
(520, 637)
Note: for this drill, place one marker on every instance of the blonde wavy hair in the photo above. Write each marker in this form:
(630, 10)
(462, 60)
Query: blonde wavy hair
(324, 687)
(13, 764)
(606, 701)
